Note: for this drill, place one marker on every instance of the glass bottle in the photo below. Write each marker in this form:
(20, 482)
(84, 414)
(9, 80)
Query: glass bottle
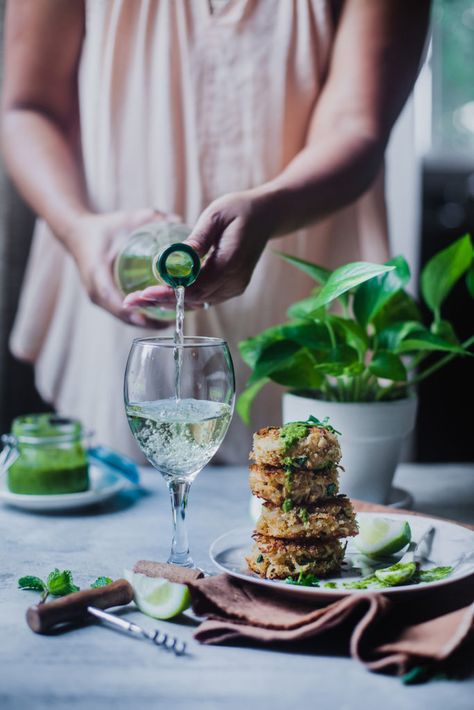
(154, 254)
(45, 454)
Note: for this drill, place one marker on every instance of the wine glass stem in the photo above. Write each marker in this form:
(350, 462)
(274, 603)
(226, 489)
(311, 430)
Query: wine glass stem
(179, 491)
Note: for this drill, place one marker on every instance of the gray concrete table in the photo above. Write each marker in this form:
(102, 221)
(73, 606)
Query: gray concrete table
(94, 667)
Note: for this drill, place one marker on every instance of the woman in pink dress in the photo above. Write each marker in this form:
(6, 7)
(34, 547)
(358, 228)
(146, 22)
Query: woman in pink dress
(261, 122)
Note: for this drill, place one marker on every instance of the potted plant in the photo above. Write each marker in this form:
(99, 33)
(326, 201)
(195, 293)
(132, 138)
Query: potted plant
(354, 351)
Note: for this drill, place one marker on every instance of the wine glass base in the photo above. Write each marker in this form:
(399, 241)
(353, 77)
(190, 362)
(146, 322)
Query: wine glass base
(181, 561)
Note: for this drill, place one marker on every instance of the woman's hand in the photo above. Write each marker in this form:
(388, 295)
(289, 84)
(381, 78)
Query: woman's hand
(94, 242)
(232, 231)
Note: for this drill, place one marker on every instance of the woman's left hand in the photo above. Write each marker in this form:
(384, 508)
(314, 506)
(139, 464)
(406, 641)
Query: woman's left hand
(232, 231)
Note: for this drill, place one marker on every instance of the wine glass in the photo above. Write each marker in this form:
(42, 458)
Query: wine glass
(179, 402)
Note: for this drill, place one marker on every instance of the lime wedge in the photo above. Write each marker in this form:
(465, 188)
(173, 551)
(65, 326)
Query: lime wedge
(157, 597)
(379, 537)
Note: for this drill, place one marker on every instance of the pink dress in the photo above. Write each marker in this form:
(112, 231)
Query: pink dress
(179, 106)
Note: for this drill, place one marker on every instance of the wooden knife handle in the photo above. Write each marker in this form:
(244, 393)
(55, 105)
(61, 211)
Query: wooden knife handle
(73, 607)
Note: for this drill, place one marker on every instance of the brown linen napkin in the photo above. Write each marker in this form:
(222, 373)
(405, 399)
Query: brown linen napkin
(384, 635)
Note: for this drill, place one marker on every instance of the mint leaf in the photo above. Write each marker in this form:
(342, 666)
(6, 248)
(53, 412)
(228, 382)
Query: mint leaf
(30, 582)
(303, 580)
(101, 582)
(61, 583)
(324, 424)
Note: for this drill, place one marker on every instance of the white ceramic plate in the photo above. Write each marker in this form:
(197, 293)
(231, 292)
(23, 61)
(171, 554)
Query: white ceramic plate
(453, 545)
(103, 485)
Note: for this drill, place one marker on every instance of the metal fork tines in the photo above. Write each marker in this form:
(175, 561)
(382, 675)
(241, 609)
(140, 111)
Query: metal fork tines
(419, 551)
(160, 638)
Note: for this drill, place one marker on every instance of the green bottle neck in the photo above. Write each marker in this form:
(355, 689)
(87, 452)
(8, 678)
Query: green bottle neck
(177, 265)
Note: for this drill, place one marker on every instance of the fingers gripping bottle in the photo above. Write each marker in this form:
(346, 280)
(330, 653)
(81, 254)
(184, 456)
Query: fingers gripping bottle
(155, 254)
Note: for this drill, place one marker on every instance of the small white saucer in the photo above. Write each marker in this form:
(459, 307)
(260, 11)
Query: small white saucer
(103, 485)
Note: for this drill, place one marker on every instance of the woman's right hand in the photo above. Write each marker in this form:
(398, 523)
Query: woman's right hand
(94, 242)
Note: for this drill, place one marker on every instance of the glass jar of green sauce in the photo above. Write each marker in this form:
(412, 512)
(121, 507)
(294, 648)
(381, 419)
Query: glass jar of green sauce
(45, 454)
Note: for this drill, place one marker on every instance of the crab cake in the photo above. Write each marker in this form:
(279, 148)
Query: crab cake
(331, 517)
(315, 448)
(272, 558)
(275, 485)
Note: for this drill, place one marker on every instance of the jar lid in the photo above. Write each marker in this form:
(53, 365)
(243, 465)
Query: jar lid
(46, 429)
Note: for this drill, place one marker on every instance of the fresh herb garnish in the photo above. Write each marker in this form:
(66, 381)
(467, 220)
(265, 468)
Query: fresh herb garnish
(30, 582)
(303, 515)
(287, 505)
(324, 424)
(299, 461)
(58, 584)
(259, 558)
(331, 489)
(292, 432)
(331, 585)
(61, 583)
(101, 582)
(303, 580)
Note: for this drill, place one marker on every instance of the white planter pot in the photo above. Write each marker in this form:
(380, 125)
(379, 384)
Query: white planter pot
(372, 434)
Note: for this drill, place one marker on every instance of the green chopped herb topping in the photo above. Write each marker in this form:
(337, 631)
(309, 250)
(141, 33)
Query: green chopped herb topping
(331, 489)
(259, 558)
(101, 582)
(303, 580)
(303, 515)
(322, 424)
(287, 505)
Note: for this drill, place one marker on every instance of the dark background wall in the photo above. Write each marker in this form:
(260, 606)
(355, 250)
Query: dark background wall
(445, 428)
(17, 393)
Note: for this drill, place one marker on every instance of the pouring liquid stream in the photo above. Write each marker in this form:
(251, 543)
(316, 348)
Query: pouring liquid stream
(178, 341)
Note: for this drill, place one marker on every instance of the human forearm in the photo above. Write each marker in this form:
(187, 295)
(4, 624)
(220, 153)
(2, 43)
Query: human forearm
(45, 165)
(329, 173)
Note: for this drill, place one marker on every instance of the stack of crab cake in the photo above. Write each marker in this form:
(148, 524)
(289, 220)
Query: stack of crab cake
(303, 518)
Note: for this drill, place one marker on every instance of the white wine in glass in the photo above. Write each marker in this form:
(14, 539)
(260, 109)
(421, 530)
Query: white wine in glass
(179, 431)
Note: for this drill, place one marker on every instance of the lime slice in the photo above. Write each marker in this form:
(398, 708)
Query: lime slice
(158, 597)
(396, 574)
(379, 537)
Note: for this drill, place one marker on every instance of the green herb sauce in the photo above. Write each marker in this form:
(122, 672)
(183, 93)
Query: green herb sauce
(291, 433)
(287, 505)
(363, 583)
(434, 574)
